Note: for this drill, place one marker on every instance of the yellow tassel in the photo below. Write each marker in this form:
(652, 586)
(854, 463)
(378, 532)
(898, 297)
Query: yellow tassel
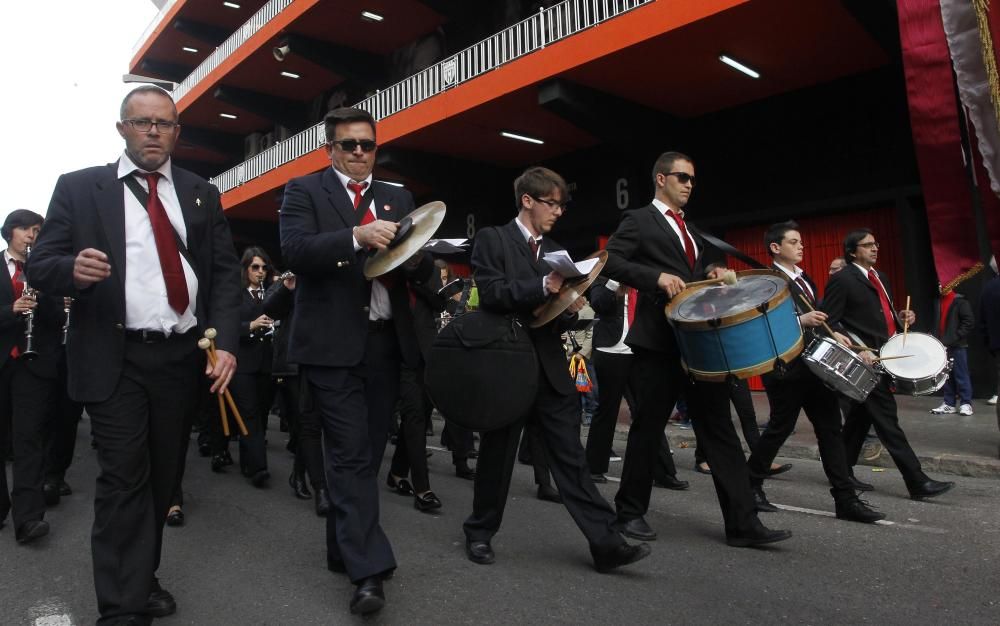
(955, 282)
(982, 8)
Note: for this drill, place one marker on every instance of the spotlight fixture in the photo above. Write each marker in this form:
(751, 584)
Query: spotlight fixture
(739, 67)
(290, 75)
(228, 116)
(368, 16)
(189, 49)
(231, 5)
(509, 135)
(392, 182)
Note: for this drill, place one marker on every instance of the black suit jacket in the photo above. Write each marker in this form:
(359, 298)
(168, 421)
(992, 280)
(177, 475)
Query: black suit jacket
(510, 281)
(989, 314)
(853, 305)
(610, 310)
(959, 324)
(427, 306)
(330, 321)
(46, 333)
(278, 304)
(255, 352)
(643, 246)
(88, 211)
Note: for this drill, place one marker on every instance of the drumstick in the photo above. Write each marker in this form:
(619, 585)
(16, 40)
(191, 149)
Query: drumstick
(889, 358)
(830, 330)
(906, 322)
(206, 345)
(728, 279)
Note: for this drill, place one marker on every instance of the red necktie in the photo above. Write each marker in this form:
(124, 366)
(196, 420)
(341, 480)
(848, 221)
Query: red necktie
(632, 298)
(688, 244)
(359, 190)
(805, 289)
(534, 245)
(166, 248)
(890, 321)
(18, 285)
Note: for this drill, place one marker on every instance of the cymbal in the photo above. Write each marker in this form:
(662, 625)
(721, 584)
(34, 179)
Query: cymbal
(572, 289)
(414, 231)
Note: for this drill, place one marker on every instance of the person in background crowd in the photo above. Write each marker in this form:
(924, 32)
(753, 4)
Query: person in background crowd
(953, 324)
(989, 323)
(836, 265)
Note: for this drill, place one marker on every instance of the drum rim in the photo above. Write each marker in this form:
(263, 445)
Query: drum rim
(727, 320)
(743, 373)
(888, 365)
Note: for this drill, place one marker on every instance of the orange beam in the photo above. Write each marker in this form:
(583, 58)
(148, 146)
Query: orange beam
(169, 17)
(250, 46)
(621, 32)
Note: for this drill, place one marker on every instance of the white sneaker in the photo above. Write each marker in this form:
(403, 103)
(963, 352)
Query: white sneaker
(966, 409)
(992, 400)
(944, 408)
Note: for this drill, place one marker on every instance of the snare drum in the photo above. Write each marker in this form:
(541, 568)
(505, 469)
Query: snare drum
(922, 373)
(840, 369)
(739, 330)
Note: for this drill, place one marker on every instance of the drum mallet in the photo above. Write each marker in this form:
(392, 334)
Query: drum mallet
(208, 345)
(728, 279)
(826, 326)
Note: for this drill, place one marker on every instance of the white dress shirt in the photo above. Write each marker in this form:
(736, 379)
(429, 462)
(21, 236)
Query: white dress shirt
(673, 225)
(11, 266)
(528, 237)
(379, 307)
(620, 347)
(146, 306)
(794, 276)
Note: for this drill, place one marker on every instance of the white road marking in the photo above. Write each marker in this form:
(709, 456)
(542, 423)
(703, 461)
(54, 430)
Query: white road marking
(926, 529)
(50, 612)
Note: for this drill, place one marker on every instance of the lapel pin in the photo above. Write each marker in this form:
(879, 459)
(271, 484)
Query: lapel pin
(197, 201)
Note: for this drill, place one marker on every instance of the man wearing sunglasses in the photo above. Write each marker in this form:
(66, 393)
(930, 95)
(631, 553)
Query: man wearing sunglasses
(654, 251)
(349, 335)
(145, 250)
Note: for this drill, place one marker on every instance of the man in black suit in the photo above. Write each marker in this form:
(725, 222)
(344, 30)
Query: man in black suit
(858, 302)
(513, 278)
(653, 251)
(148, 276)
(796, 388)
(349, 335)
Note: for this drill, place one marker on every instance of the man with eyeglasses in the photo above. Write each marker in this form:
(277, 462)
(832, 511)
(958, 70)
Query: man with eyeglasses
(654, 251)
(350, 335)
(145, 250)
(858, 303)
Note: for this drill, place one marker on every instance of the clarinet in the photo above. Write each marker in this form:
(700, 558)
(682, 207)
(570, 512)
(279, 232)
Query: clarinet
(29, 316)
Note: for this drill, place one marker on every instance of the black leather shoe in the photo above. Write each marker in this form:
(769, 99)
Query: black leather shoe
(703, 470)
(622, 555)
(760, 502)
(160, 603)
(64, 489)
(599, 479)
(671, 482)
(548, 493)
(426, 502)
(204, 449)
(175, 518)
(260, 478)
(401, 486)
(759, 536)
(50, 491)
(335, 566)
(929, 489)
(297, 481)
(368, 597)
(479, 552)
(463, 470)
(860, 486)
(781, 469)
(638, 529)
(322, 502)
(854, 510)
(31, 531)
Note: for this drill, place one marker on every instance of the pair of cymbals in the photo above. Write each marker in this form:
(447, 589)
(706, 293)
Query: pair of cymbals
(415, 230)
(571, 290)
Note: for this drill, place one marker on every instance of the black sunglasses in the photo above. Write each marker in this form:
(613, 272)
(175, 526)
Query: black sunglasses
(350, 145)
(682, 177)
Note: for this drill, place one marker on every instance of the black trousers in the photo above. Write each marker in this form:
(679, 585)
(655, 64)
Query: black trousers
(739, 395)
(305, 436)
(658, 380)
(32, 400)
(820, 403)
(557, 418)
(614, 370)
(355, 406)
(410, 457)
(139, 431)
(879, 410)
(61, 438)
(253, 395)
(459, 440)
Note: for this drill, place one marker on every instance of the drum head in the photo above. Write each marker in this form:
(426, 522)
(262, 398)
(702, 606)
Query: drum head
(928, 356)
(721, 301)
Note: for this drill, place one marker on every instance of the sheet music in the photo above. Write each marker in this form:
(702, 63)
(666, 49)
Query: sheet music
(563, 264)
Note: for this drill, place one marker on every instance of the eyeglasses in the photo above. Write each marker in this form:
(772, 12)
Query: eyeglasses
(869, 245)
(144, 126)
(257, 267)
(682, 177)
(552, 204)
(350, 145)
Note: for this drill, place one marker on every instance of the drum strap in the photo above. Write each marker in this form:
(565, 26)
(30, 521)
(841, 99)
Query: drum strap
(727, 248)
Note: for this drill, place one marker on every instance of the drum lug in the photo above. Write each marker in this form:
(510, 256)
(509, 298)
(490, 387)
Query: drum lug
(763, 307)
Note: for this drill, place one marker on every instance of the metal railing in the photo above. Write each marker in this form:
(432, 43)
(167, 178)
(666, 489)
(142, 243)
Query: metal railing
(266, 13)
(534, 33)
(153, 24)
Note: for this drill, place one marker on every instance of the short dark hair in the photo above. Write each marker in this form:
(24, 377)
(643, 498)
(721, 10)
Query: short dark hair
(19, 218)
(537, 181)
(346, 115)
(776, 233)
(145, 89)
(716, 266)
(247, 259)
(851, 242)
(665, 162)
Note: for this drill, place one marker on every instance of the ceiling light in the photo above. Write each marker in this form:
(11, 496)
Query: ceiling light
(368, 16)
(736, 65)
(393, 183)
(290, 75)
(521, 137)
(231, 5)
(228, 116)
(187, 49)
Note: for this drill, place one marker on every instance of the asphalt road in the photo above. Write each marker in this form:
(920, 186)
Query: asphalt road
(249, 556)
